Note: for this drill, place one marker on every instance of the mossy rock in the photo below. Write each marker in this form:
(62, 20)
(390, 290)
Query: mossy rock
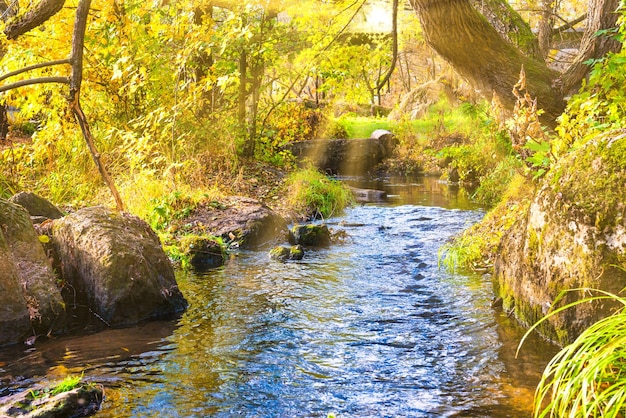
(311, 235)
(204, 252)
(82, 401)
(282, 253)
(573, 236)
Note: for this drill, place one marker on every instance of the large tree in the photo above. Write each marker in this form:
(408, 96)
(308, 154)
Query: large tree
(464, 37)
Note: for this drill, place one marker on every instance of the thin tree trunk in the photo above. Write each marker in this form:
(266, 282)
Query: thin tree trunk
(394, 49)
(602, 16)
(76, 78)
(546, 25)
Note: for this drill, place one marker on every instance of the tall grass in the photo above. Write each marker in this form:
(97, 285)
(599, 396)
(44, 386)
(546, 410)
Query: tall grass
(588, 377)
(315, 194)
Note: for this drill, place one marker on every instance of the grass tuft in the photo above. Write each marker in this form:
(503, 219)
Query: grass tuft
(315, 194)
(588, 377)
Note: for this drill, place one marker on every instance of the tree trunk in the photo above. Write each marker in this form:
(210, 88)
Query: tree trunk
(204, 61)
(510, 25)
(602, 15)
(546, 25)
(465, 38)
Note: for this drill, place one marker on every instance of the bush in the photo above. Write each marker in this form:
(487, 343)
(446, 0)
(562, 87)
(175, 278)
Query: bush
(316, 195)
(495, 182)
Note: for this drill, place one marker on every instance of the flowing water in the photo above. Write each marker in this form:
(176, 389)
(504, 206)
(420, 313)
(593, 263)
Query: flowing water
(368, 328)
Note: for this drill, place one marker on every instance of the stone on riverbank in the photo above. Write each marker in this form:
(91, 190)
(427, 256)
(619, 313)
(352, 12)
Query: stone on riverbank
(116, 264)
(573, 235)
(36, 205)
(82, 401)
(240, 221)
(30, 299)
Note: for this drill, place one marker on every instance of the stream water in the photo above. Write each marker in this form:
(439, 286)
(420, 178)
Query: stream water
(368, 328)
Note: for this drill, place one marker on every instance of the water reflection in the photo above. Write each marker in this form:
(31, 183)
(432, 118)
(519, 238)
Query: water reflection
(371, 327)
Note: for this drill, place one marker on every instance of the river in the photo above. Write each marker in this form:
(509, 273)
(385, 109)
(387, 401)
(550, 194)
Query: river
(372, 327)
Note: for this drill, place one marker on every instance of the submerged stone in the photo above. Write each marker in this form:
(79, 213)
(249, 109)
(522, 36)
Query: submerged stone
(311, 235)
(282, 253)
(204, 252)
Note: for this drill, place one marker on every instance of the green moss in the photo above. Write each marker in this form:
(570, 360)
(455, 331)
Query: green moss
(591, 181)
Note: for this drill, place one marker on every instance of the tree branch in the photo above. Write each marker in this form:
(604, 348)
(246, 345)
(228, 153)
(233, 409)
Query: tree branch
(34, 67)
(41, 80)
(44, 10)
(394, 57)
(569, 25)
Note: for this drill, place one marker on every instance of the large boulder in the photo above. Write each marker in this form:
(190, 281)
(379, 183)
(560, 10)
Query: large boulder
(240, 221)
(14, 323)
(572, 236)
(116, 264)
(30, 299)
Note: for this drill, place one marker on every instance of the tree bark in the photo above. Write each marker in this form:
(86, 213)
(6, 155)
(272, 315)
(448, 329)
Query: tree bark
(44, 10)
(510, 25)
(602, 15)
(465, 38)
(546, 25)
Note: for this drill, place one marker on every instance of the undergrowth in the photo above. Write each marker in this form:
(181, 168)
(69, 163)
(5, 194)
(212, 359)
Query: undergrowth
(476, 247)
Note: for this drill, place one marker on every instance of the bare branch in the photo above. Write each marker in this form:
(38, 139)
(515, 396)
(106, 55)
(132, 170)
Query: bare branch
(394, 57)
(41, 80)
(34, 67)
(569, 25)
